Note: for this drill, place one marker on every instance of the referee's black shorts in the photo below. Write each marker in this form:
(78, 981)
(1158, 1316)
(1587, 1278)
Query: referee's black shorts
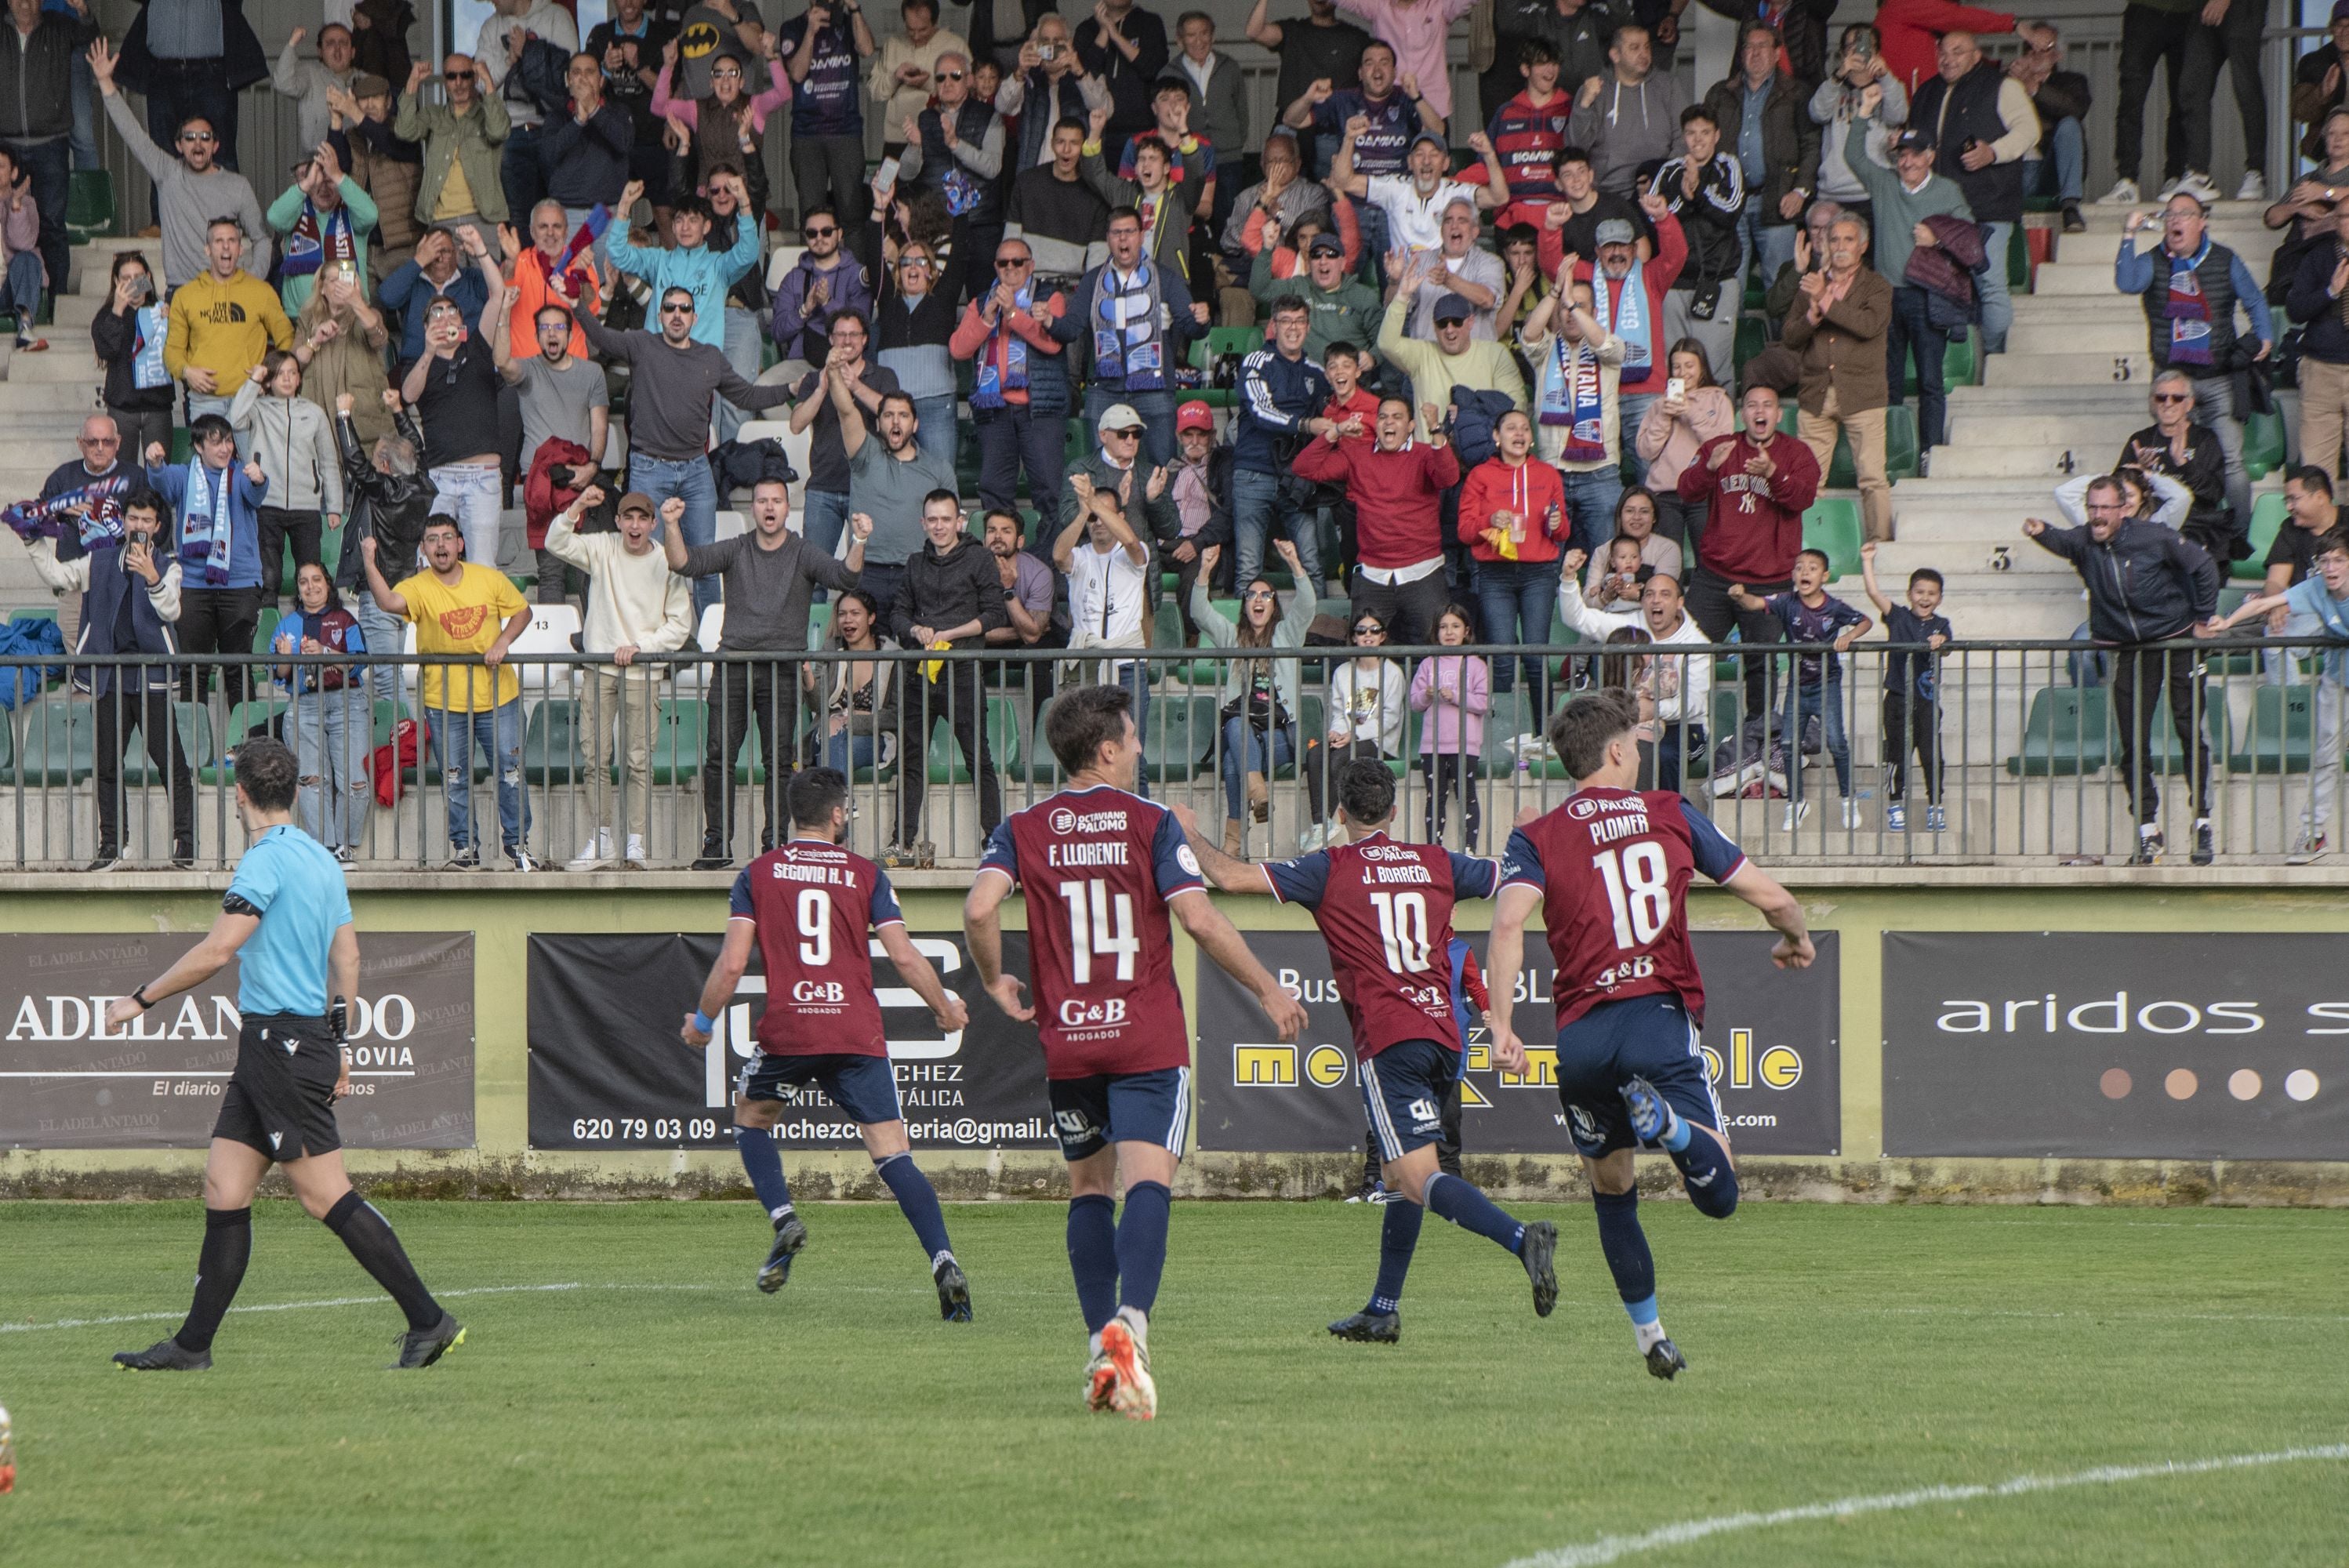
(281, 1098)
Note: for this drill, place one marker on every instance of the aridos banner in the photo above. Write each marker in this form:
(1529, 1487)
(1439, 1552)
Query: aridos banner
(67, 1081)
(1770, 1043)
(608, 1071)
(2116, 1045)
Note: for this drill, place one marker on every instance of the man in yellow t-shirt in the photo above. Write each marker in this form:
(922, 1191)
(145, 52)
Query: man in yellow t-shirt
(470, 612)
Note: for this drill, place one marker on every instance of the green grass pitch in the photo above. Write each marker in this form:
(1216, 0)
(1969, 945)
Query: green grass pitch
(665, 1412)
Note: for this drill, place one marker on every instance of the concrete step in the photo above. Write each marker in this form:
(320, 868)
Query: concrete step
(69, 364)
(23, 398)
(2050, 401)
(2050, 464)
(2093, 329)
(2066, 368)
(2098, 432)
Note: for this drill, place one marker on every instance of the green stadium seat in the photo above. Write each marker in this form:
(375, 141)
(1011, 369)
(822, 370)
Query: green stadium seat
(195, 723)
(2264, 448)
(7, 749)
(1901, 445)
(683, 731)
(2067, 732)
(265, 628)
(1961, 364)
(1036, 763)
(2268, 514)
(1752, 337)
(1309, 727)
(330, 553)
(246, 718)
(59, 745)
(2280, 737)
(2165, 753)
(89, 209)
(2018, 260)
(819, 626)
(33, 613)
(1182, 741)
(1218, 342)
(551, 743)
(1833, 524)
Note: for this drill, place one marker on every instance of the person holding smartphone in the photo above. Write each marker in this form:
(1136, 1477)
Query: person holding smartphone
(140, 412)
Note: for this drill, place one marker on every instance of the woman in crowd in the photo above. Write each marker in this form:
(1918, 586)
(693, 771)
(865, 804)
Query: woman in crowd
(1671, 431)
(729, 128)
(1635, 519)
(1513, 519)
(1454, 690)
(912, 321)
(141, 406)
(289, 438)
(339, 338)
(856, 732)
(329, 721)
(1260, 718)
(1368, 699)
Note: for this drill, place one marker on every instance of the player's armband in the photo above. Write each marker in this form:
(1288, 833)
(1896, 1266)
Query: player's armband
(233, 903)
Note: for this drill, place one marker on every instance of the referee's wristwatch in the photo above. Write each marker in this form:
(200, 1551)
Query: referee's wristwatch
(139, 996)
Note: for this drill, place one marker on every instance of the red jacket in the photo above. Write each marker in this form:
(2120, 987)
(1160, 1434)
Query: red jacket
(1753, 527)
(1398, 495)
(1362, 402)
(1532, 488)
(1912, 29)
(1663, 269)
(970, 335)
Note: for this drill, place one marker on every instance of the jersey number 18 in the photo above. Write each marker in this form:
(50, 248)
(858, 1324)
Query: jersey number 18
(1639, 891)
(1108, 935)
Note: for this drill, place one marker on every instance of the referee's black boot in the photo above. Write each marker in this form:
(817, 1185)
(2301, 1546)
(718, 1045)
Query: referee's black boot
(423, 1346)
(165, 1356)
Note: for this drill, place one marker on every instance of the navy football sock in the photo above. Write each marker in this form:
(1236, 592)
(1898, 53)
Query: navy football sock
(1626, 1248)
(219, 1269)
(1704, 1166)
(1398, 1237)
(1092, 1257)
(1141, 1244)
(919, 1200)
(764, 1164)
(1461, 1202)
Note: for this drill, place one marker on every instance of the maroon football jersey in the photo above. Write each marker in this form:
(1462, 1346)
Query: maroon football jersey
(1613, 867)
(1385, 910)
(1097, 866)
(813, 904)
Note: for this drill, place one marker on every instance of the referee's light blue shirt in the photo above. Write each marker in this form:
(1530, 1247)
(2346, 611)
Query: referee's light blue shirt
(297, 885)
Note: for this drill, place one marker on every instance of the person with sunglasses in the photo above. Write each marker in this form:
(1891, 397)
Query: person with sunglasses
(1368, 699)
(954, 148)
(825, 283)
(194, 182)
(1019, 393)
(2175, 447)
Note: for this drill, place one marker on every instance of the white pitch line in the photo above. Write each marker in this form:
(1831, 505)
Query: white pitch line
(330, 1301)
(1613, 1548)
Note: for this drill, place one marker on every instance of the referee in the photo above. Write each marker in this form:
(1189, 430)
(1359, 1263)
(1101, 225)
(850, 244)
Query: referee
(286, 918)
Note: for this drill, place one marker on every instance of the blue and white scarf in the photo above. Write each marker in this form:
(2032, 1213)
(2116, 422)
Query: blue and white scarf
(987, 390)
(1628, 319)
(1573, 395)
(1127, 347)
(206, 524)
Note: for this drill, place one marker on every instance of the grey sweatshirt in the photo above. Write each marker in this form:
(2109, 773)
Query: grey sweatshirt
(191, 201)
(766, 590)
(295, 447)
(668, 397)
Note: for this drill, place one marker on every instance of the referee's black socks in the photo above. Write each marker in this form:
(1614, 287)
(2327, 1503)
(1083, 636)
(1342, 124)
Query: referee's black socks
(219, 1269)
(369, 1236)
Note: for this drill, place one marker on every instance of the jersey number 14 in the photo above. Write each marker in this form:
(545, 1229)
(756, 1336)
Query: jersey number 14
(1639, 891)
(1110, 929)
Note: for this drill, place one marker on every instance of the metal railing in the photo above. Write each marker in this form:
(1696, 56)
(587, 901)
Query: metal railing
(2024, 759)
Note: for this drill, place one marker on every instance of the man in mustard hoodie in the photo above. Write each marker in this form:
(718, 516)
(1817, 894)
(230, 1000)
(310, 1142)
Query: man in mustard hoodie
(222, 322)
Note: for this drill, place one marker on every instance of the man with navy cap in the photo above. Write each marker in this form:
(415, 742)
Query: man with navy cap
(1900, 199)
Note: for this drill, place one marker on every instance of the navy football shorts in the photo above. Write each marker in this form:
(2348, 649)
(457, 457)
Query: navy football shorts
(1599, 1053)
(1090, 1113)
(281, 1098)
(864, 1087)
(1404, 1089)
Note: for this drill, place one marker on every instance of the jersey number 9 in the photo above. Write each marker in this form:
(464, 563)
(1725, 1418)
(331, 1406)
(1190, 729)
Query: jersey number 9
(815, 927)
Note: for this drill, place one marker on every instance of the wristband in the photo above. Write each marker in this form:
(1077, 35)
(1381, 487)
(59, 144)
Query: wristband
(703, 1022)
(139, 996)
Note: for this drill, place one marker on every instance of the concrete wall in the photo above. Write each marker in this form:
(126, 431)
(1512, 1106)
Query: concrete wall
(1860, 909)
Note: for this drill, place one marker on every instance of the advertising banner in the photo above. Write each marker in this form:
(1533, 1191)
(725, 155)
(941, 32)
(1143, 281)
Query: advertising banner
(1770, 1043)
(67, 1081)
(2116, 1045)
(608, 1071)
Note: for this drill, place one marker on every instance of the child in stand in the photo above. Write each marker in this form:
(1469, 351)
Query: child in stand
(329, 721)
(1455, 692)
(1912, 691)
(1618, 591)
(1810, 615)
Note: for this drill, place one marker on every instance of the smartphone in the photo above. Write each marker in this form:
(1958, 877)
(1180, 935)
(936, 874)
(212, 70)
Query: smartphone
(1046, 51)
(1676, 389)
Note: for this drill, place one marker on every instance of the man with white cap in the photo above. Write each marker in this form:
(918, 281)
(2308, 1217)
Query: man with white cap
(1415, 202)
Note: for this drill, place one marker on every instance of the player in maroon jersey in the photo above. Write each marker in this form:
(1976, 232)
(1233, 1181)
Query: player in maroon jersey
(1104, 869)
(807, 905)
(1385, 910)
(1609, 870)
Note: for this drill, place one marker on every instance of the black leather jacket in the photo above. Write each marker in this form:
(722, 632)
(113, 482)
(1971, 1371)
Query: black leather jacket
(390, 508)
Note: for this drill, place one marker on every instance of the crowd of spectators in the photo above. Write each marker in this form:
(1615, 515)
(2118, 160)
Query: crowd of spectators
(1479, 372)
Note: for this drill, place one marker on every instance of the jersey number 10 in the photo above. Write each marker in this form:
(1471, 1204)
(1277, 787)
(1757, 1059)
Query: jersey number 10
(1403, 928)
(1639, 891)
(1110, 929)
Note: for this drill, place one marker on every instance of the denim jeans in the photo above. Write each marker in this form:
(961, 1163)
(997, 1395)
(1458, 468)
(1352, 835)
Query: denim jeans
(23, 290)
(937, 435)
(331, 732)
(1010, 439)
(1762, 232)
(475, 491)
(43, 163)
(1802, 702)
(385, 634)
(1514, 600)
(2060, 175)
(847, 751)
(1590, 498)
(83, 136)
(498, 732)
(1244, 753)
(1912, 332)
(823, 514)
(1255, 508)
(742, 338)
(2214, 410)
(1997, 300)
(661, 478)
